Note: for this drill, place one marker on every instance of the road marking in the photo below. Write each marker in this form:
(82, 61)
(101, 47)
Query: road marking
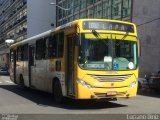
(9, 82)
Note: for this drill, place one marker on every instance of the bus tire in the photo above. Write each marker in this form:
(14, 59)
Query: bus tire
(57, 92)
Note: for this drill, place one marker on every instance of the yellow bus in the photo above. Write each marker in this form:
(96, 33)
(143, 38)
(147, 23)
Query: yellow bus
(83, 59)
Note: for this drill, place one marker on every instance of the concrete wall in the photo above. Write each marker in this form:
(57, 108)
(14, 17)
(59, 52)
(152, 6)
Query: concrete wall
(147, 12)
(40, 15)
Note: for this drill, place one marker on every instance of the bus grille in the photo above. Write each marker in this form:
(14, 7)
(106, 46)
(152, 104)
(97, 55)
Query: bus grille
(111, 78)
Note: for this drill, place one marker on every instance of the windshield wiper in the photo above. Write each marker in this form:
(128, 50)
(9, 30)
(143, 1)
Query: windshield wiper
(95, 33)
(127, 33)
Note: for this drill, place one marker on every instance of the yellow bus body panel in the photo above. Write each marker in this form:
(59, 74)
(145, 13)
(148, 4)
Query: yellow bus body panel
(100, 89)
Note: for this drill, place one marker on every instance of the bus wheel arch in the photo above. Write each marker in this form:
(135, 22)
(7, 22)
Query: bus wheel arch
(57, 90)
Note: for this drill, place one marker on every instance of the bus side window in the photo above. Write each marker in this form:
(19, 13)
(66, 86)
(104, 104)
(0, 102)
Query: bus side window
(19, 53)
(60, 44)
(41, 49)
(22, 53)
(52, 47)
(46, 39)
(56, 45)
(25, 52)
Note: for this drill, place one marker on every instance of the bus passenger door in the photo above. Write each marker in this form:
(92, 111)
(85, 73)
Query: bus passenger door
(31, 64)
(70, 65)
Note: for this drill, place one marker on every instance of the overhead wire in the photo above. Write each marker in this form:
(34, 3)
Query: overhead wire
(148, 22)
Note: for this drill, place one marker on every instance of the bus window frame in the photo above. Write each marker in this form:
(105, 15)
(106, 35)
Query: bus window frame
(54, 39)
(40, 53)
(19, 53)
(25, 55)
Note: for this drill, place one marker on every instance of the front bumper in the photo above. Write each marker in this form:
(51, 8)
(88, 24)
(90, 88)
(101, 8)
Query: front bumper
(101, 93)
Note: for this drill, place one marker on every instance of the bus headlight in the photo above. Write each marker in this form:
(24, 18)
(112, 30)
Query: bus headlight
(132, 84)
(85, 84)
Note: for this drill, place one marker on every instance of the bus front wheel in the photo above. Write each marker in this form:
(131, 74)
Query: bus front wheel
(57, 92)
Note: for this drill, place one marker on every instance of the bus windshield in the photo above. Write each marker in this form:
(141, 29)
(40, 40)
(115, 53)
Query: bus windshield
(107, 54)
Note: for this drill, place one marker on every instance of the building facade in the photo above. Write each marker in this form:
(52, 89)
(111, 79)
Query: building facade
(41, 16)
(13, 25)
(109, 9)
(13, 22)
(21, 19)
(146, 14)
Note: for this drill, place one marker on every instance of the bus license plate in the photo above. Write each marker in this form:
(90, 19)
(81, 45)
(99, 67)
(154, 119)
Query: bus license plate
(111, 93)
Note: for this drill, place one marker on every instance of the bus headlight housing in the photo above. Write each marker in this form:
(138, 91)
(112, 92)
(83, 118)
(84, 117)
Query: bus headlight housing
(132, 84)
(83, 83)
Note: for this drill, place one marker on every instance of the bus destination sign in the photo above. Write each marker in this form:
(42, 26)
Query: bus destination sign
(104, 25)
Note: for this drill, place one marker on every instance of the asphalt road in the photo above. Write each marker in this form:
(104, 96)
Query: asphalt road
(15, 100)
